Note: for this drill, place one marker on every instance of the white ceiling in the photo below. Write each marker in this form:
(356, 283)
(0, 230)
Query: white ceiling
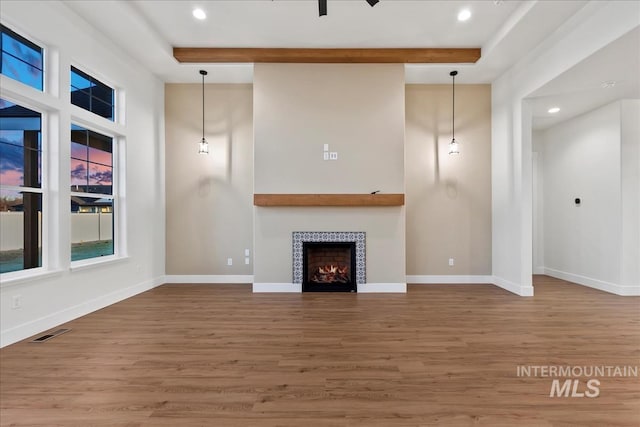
(585, 86)
(505, 30)
(147, 30)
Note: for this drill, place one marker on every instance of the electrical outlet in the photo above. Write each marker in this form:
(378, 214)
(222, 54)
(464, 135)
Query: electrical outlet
(229, 261)
(333, 155)
(246, 260)
(326, 147)
(451, 262)
(16, 302)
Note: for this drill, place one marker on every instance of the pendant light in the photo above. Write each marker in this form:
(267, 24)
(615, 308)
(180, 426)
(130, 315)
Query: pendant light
(454, 148)
(203, 147)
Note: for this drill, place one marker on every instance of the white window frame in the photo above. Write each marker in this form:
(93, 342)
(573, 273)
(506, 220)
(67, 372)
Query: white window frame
(46, 220)
(114, 129)
(119, 234)
(47, 103)
(57, 114)
(106, 82)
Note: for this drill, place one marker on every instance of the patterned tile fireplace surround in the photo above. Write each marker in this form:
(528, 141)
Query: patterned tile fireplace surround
(299, 238)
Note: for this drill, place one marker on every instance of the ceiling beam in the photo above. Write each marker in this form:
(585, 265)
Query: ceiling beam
(327, 56)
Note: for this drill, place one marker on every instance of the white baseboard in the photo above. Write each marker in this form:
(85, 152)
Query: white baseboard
(594, 283)
(369, 288)
(538, 270)
(49, 321)
(277, 287)
(523, 291)
(449, 279)
(209, 278)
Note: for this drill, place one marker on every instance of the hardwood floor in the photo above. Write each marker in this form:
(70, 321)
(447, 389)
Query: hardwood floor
(218, 355)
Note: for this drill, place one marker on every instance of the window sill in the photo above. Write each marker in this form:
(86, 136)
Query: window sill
(19, 277)
(96, 262)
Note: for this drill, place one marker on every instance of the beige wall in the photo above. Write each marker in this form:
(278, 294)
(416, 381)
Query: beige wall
(448, 197)
(359, 111)
(209, 197)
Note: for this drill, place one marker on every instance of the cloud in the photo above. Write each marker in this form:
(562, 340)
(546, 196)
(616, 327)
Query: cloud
(11, 158)
(25, 69)
(79, 172)
(11, 170)
(103, 177)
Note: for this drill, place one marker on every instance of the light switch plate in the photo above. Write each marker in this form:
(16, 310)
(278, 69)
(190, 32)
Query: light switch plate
(326, 147)
(326, 155)
(333, 155)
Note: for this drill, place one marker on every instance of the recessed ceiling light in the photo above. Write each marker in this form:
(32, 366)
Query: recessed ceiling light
(553, 110)
(464, 15)
(199, 14)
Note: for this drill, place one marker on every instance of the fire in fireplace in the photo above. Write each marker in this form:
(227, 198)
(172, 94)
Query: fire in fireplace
(329, 267)
(331, 274)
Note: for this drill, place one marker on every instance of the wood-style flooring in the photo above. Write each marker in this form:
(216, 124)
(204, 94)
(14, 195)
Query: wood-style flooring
(219, 355)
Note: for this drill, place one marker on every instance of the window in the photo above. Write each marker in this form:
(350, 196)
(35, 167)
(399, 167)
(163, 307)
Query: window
(92, 196)
(21, 59)
(30, 119)
(91, 94)
(20, 188)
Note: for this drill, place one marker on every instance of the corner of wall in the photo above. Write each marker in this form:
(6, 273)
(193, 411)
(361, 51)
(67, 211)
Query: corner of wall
(522, 290)
(52, 320)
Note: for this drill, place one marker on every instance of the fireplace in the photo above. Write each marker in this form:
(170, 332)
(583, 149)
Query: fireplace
(329, 267)
(329, 261)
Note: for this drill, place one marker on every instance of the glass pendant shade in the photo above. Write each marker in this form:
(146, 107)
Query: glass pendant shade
(203, 147)
(453, 147)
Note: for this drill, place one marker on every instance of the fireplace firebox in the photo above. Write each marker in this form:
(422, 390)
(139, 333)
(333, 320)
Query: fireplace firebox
(329, 267)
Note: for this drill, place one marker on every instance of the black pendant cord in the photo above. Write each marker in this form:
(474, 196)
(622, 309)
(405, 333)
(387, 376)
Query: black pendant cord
(203, 74)
(322, 7)
(453, 109)
(203, 106)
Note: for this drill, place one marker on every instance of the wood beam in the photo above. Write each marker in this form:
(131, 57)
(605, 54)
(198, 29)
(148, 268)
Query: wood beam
(327, 56)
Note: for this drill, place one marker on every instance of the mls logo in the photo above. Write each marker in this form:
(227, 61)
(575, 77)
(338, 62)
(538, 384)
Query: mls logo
(571, 388)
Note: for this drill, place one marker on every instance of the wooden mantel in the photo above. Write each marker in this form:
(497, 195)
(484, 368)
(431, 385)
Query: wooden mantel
(328, 200)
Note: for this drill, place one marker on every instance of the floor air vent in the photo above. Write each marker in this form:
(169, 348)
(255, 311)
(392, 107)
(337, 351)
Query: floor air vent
(47, 337)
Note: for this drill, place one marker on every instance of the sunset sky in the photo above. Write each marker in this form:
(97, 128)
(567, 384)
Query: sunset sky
(12, 144)
(88, 165)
